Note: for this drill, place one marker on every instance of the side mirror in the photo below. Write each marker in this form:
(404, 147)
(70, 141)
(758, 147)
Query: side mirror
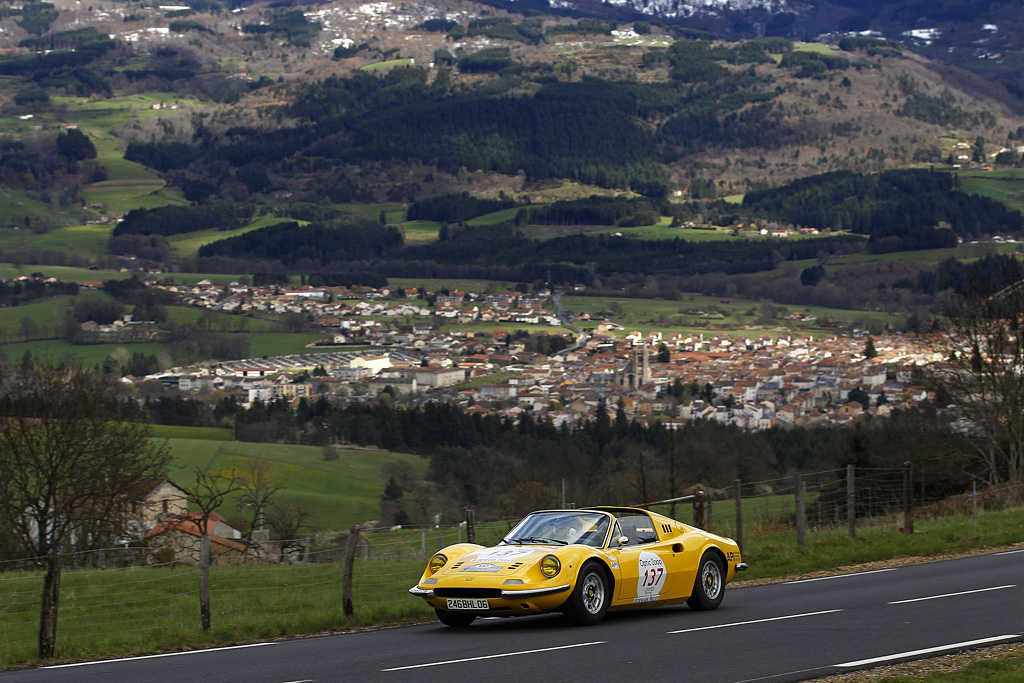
(622, 540)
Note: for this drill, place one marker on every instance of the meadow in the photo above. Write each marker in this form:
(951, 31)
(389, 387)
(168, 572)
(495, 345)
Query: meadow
(342, 492)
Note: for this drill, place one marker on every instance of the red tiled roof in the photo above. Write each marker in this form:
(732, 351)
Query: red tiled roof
(192, 524)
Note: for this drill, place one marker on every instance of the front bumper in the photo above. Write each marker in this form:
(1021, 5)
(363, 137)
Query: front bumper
(500, 602)
(505, 594)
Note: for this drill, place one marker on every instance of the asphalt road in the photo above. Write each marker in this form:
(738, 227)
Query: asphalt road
(777, 633)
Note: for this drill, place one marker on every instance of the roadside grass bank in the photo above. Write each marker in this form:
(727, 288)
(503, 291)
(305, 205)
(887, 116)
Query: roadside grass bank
(999, 664)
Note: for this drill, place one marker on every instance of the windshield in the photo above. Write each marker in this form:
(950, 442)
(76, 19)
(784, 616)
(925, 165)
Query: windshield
(561, 528)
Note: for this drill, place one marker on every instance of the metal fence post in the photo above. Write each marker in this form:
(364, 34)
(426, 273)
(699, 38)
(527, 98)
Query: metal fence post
(851, 507)
(350, 561)
(739, 517)
(801, 511)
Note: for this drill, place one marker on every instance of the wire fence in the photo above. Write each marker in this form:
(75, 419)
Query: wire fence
(124, 600)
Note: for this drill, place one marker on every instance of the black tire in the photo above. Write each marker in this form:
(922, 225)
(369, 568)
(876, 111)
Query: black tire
(454, 619)
(589, 600)
(709, 586)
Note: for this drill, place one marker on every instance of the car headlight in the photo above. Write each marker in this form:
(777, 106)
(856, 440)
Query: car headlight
(436, 562)
(549, 566)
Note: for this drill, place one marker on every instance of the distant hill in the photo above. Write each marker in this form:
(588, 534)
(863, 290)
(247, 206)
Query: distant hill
(980, 36)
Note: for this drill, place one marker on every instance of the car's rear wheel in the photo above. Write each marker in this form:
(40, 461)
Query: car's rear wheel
(589, 600)
(709, 586)
(455, 619)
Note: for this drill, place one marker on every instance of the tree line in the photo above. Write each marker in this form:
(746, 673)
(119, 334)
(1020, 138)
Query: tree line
(476, 459)
(907, 204)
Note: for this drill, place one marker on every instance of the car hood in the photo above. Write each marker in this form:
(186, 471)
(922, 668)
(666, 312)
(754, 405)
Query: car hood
(503, 560)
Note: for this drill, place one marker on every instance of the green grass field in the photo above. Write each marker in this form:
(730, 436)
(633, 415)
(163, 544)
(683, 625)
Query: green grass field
(1003, 185)
(46, 316)
(384, 66)
(14, 207)
(503, 216)
(187, 245)
(419, 232)
(431, 284)
(342, 492)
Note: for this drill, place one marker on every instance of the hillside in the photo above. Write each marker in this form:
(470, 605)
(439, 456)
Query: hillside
(263, 103)
(353, 144)
(342, 492)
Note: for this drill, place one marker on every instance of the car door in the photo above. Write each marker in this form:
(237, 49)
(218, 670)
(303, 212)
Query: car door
(644, 563)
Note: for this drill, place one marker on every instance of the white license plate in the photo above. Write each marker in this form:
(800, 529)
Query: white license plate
(467, 603)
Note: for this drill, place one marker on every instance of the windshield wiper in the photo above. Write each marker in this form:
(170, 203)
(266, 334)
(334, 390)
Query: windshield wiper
(538, 539)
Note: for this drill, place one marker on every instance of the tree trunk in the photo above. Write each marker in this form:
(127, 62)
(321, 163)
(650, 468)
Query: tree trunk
(349, 567)
(48, 610)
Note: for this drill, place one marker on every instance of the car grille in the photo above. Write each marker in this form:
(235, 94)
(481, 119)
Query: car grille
(467, 592)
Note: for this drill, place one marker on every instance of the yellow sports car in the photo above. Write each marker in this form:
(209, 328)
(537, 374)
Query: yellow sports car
(583, 563)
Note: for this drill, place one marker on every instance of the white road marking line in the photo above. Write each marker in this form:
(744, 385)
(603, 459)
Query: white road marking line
(928, 651)
(755, 621)
(951, 595)
(165, 654)
(1010, 552)
(503, 654)
(841, 576)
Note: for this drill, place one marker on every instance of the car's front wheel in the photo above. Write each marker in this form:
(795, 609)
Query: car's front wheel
(589, 600)
(456, 619)
(709, 586)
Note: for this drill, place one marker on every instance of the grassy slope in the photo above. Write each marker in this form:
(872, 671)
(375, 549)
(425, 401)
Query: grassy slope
(187, 245)
(342, 492)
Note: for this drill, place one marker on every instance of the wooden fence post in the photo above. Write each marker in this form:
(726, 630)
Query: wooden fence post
(471, 526)
(851, 506)
(908, 497)
(739, 517)
(708, 509)
(204, 580)
(350, 561)
(801, 511)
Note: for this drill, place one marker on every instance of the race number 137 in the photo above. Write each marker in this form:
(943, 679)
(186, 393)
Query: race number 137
(653, 576)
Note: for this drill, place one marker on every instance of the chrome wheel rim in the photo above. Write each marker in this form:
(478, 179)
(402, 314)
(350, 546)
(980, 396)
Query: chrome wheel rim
(593, 593)
(711, 579)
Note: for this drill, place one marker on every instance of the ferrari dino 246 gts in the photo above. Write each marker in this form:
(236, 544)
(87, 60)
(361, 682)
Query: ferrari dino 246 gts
(583, 563)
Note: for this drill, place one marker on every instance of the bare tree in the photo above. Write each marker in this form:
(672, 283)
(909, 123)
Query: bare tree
(209, 491)
(289, 518)
(259, 483)
(68, 461)
(984, 377)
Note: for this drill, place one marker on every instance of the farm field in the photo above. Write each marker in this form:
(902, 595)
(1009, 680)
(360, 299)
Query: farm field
(187, 245)
(1004, 185)
(419, 232)
(647, 315)
(87, 354)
